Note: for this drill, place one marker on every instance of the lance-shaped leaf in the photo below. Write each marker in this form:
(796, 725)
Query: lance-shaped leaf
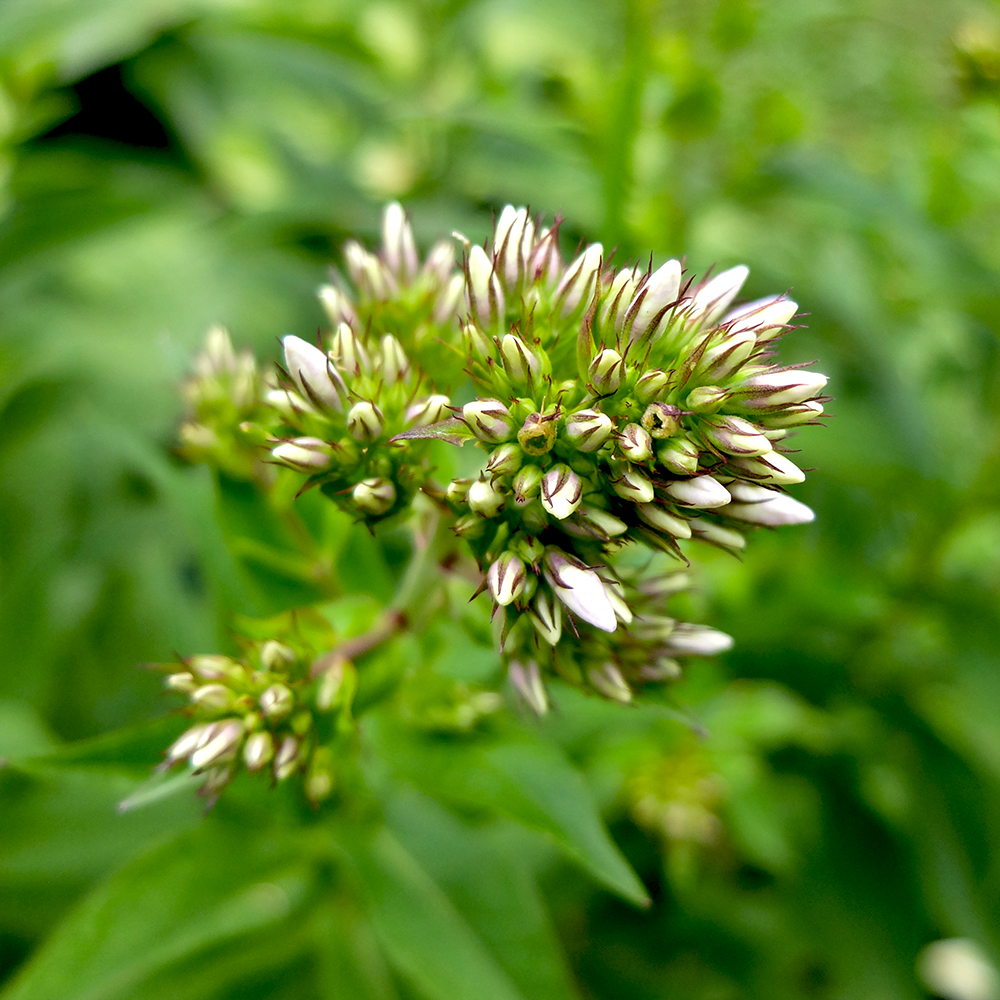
(452, 430)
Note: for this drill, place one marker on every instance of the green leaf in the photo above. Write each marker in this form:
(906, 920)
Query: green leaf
(452, 429)
(197, 892)
(420, 930)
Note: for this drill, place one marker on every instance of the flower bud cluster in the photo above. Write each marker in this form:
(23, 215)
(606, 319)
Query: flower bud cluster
(262, 714)
(614, 407)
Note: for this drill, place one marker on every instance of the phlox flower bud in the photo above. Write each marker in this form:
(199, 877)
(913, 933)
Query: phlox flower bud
(505, 460)
(759, 505)
(369, 274)
(457, 490)
(428, 411)
(529, 548)
(562, 491)
(287, 759)
(288, 403)
(706, 398)
(772, 390)
(506, 578)
(347, 351)
(545, 261)
(337, 306)
(678, 455)
(365, 422)
(520, 361)
(656, 517)
(484, 498)
(512, 243)
(709, 531)
(766, 318)
(183, 682)
(276, 702)
(633, 485)
(609, 681)
(526, 485)
(713, 298)
(697, 640)
(650, 384)
(399, 250)
(188, 742)
(305, 454)
(448, 299)
(395, 365)
(592, 522)
(220, 747)
(635, 444)
(734, 436)
(527, 681)
(258, 751)
(484, 296)
(618, 297)
(587, 430)
(374, 496)
(580, 589)
(726, 355)
(578, 284)
(215, 667)
(274, 654)
(489, 420)
(212, 697)
(440, 263)
(606, 372)
(313, 373)
(770, 468)
(702, 492)
(792, 416)
(647, 310)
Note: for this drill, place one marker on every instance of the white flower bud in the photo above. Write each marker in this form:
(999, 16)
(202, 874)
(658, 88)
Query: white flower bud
(289, 403)
(580, 589)
(592, 522)
(286, 760)
(656, 517)
(650, 385)
(448, 299)
(218, 356)
(519, 361)
(647, 312)
(183, 682)
(374, 496)
(792, 416)
(365, 422)
(545, 262)
(702, 492)
(770, 468)
(484, 498)
(713, 298)
(726, 356)
(369, 274)
(221, 747)
(633, 485)
(766, 318)
(276, 702)
(347, 351)
(304, 454)
(709, 531)
(618, 297)
(212, 697)
(587, 430)
(635, 444)
(258, 751)
(313, 373)
(440, 263)
(706, 398)
(609, 681)
(616, 594)
(735, 436)
(697, 640)
(773, 390)
(578, 284)
(398, 248)
(506, 579)
(528, 683)
(215, 667)
(489, 420)
(562, 491)
(679, 455)
(527, 484)
(484, 296)
(188, 742)
(457, 490)
(274, 654)
(759, 505)
(337, 306)
(606, 372)
(512, 243)
(428, 411)
(395, 366)
(505, 460)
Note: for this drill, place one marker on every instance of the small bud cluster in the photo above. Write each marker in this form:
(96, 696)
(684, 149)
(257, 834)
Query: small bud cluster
(262, 713)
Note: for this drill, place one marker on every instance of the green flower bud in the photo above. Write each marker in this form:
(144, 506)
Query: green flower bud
(792, 416)
(258, 751)
(183, 682)
(519, 361)
(512, 243)
(773, 390)
(534, 518)
(734, 436)
(314, 373)
(287, 759)
(728, 353)
(578, 284)
(428, 411)
(484, 498)
(679, 455)
(635, 444)
(276, 702)
(709, 531)
(706, 398)
(220, 746)
(274, 654)
(530, 549)
(365, 422)
(633, 485)
(697, 640)
(214, 667)
(647, 314)
(319, 781)
(369, 274)
(587, 430)
(337, 306)
(505, 460)
(592, 522)
(477, 344)
(484, 295)
(606, 372)
(656, 517)
(545, 613)
(771, 468)
(650, 385)
(526, 484)
(398, 247)
(304, 454)
(212, 697)
(470, 526)
(527, 681)
(609, 681)
(457, 489)
(348, 353)
(395, 365)
(374, 496)
(489, 420)
(766, 318)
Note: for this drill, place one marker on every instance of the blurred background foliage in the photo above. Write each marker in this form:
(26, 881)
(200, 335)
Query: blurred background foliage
(833, 807)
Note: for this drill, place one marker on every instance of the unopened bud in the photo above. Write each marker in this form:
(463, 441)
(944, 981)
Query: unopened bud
(505, 460)
(449, 298)
(519, 361)
(456, 490)
(484, 498)
(578, 284)
(774, 390)
(735, 436)
(618, 296)
(286, 760)
(398, 248)
(489, 420)
(545, 262)
(313, 373)
(347, 351)
(545, 614)
(484, 295)
(697, 640)
(633, 485)
(471, 526)
(374, 496)
(428, 411)
(562, 491)
(364, 422)
(527, 484)
(212, 697)
(305, 454)
(506, 578)
(792, 416)
(215, 667)
(713, 298)
(337, 306)
(371, 277)
(728, 353)
(580, 589)
(649, 385)
(221, 747)
(528, 682)
(679, 455)
(537, 434)
(395, 365)
(759, 505)
(188, 742)
(656, 517)
(512, 243)
(183, 682)
(587, 430)
(765, 318)
(709, 531)
(530, 549)
(609, 681)
(662, 669)
(635, 444)
(319, 781)
(606, 372)
(647, 313)
(592, 522)
(277, 701)
(258, 751)
(702, 492)
(440, 263)
(706, 398)
(770, 468)
(274, 654)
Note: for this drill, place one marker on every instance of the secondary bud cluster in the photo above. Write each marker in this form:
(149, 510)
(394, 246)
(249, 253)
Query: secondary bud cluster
(262, 713)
